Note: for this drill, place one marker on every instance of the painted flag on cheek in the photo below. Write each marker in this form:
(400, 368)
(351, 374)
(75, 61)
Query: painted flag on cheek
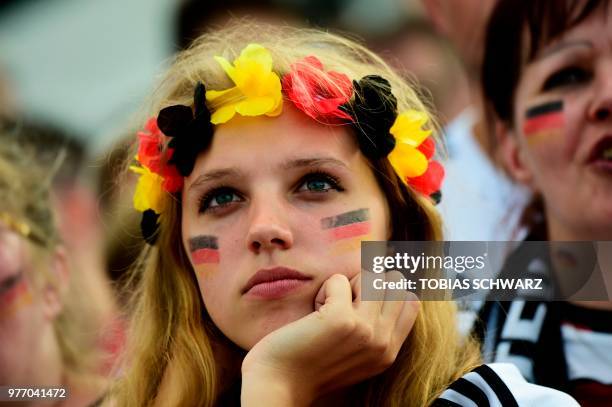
(15, 297)
(348, 226)
(204, 250)
(543, 118)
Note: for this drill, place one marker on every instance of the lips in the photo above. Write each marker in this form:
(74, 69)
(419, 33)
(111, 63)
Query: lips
(602, 150)
(275, 281)
(600, 155)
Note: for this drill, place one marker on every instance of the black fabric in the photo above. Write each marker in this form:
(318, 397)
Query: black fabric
(522, 348)
(471, 391)
(444, 403)
(550, 366)
(594, 319)
(477, 392)
(529, 310)
(497, 385)
(546, 353)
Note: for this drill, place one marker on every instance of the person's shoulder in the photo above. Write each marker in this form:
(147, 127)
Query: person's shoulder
(500, 384)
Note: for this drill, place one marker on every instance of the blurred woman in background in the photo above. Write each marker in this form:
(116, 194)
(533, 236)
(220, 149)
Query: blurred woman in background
(46, 326)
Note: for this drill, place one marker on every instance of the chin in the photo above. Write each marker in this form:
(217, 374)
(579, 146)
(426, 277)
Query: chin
(273, 321)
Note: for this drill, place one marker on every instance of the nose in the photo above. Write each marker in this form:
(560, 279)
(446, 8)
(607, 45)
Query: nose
(268, 228)
(601, 106)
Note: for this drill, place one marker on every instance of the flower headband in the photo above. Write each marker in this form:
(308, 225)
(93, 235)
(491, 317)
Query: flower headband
(170, 143)
(21, 227)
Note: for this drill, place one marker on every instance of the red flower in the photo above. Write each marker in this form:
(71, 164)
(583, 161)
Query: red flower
(173, 180)
(427, 147)
(430, 181)
(151, 155)
(150, 144)
(316, 92)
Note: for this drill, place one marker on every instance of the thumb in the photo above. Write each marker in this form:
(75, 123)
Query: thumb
(336, 289)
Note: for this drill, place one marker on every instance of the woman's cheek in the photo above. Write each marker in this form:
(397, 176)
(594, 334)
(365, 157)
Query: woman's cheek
(545, 135)
(206, 258)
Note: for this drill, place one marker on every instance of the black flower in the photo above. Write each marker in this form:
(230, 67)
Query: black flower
(191, 131)
(149, 226)
(374, 109)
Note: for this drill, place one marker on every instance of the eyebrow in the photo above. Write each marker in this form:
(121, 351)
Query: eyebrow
(291, 164)
(562, 46)
(312, 162)
(215, 175)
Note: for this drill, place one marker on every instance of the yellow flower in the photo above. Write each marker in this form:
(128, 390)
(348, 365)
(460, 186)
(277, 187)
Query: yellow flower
(257, 90)
(408, 131)
(149, 192)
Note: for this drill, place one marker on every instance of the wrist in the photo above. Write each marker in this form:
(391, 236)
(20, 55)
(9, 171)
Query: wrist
(274, 387)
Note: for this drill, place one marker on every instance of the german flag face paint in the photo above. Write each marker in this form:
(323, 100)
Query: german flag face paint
(204, 250)
(544, 119)
(14, 293)
(347, 230)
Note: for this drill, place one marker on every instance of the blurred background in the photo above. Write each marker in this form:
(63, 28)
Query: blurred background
(86, 65)
(75, 74)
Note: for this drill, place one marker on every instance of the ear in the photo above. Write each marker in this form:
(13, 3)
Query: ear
(54, 292)
(513, 155)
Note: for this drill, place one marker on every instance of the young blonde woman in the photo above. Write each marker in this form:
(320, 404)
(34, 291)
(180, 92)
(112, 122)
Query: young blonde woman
(272, 153)
(46, 330)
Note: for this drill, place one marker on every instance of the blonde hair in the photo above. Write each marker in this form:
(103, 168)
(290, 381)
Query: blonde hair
(172, 338)
(26, 208)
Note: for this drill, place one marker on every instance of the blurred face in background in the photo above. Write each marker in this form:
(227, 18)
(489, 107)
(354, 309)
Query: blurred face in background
(29, 354)
(562, 146)
(463, 22)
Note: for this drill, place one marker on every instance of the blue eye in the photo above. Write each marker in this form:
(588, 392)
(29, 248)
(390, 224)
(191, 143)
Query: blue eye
(567, 77)
(218, 198)
(319, 182)
(317, 185)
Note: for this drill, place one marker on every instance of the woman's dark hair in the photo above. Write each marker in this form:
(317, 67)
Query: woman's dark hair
(516, 32)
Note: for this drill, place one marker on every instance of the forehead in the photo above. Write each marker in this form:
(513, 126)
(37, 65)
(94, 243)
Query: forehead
(270, 141)
(589, 30)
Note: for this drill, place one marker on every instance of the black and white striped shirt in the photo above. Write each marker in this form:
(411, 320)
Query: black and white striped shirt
(555, 344)
(500, 385)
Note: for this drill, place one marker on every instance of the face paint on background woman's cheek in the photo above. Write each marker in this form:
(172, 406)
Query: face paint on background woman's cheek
(15, 297)
(544, 120)
(204, 250)
(347, 230)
